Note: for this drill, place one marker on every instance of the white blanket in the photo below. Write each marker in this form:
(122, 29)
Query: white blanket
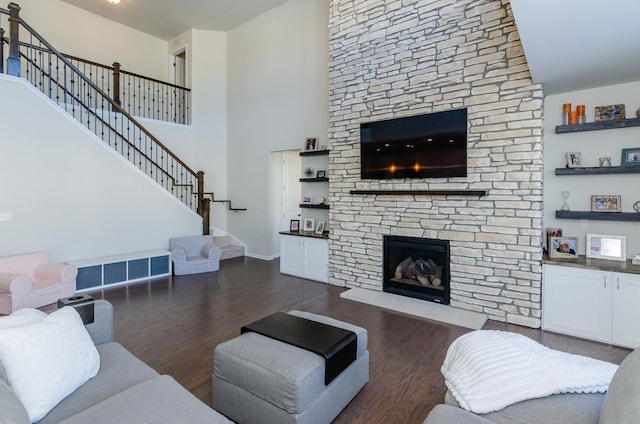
(487, 370)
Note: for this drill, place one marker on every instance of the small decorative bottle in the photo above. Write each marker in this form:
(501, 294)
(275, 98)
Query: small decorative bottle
(566, 108)
(565, 205)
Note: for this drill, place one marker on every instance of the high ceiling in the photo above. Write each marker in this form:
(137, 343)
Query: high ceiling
(569, 44)
(168, 18)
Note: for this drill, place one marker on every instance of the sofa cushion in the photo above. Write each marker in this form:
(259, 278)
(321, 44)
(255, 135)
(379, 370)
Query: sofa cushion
(119, 370)
(622, 403)
(11, 409)
(159, 400)
(445, 414)
(19, 317)
(564, 408)
(48, 359)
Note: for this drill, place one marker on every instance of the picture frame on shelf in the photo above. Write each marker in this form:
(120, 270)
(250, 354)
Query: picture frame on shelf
(574, 160)
(630, 157)
(307, 200)
(320, 227)
(563, 247)
(609, 247)
(636, 259)
(294, 225)
(311, 144)
(321, 174)
(610, 112)
(552, 232)
(606, 203)
(309, 224)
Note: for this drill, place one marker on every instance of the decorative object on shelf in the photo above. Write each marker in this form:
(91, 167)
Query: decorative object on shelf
(321, 174)
(610, 112)
(323, 147)
(630, 157)
(606, 203)
(566, 108)
(307, 199)
(565, 205)
(323, 200)
(308, 172)
(311, 144)
(320, 227)
(563, 247)
(294, 225)
(636, 259)
(636, 206)
(573, 117)
(607, 247)
(308, 224)
(605, 162)
(582, 117)
(638, 112)
(574, 160)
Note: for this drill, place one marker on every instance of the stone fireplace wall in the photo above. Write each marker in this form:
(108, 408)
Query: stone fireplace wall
(405, 57)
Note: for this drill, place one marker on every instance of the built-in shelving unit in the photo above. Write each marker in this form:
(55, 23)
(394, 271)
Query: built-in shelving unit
(599, 170)
(600, 125)
(602, 216)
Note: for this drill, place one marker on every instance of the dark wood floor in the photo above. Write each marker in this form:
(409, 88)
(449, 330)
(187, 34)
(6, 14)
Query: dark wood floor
(173, 324)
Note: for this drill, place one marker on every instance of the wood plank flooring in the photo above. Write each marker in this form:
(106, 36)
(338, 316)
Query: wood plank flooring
(173, 324)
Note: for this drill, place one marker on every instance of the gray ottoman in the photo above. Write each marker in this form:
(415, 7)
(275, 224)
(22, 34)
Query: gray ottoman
(257, 379)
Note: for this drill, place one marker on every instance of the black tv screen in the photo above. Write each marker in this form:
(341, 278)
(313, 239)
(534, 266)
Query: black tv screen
(433, 145)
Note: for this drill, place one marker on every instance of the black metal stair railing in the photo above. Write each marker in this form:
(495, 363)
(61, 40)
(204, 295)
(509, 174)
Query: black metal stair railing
(139, 95)
(55, 76)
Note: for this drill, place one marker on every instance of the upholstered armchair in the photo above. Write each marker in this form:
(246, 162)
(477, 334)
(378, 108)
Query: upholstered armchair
(194, 254)
(29, 280)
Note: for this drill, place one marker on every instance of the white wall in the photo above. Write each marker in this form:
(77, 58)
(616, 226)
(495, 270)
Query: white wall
(592, 145)
(278, 96)
(71, 195)
(77, 32)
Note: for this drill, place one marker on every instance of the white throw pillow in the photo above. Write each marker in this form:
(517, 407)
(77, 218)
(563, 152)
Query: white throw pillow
(48, 359)
(21, 317)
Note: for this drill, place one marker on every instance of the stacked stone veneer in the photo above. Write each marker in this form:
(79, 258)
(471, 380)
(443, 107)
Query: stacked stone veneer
(406, 57)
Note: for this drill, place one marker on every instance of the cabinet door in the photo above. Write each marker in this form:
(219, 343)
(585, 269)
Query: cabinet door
(626, 310)
(577, 302)
(315, 260)
(291, 255)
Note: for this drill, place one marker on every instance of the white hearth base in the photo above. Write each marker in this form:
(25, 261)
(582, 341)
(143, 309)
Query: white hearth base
(417, 307)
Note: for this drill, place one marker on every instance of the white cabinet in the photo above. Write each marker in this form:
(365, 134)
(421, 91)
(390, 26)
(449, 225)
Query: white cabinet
(594, 304)
(306, 257)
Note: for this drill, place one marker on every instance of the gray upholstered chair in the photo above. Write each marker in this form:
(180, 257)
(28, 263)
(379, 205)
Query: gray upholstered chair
(194, 254)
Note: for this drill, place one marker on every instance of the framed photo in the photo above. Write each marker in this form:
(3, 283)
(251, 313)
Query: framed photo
(294, 225)
(307, 199)
(574, 160)
(321, 174)
(606, 203)
(563, 247)
(607, 247)
(610, 112)
(311, 144)
(308, 224)
(320, 227)
(630, 157)
(636, 259)
(552, 232)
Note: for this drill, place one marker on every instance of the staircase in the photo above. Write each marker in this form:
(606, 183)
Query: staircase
(60, 78)
(228, 247)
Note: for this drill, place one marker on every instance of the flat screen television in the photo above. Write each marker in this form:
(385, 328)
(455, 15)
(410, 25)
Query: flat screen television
(432, 145)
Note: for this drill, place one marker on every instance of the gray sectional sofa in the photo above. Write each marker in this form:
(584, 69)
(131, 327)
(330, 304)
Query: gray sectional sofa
(620, 405)
(125, 390)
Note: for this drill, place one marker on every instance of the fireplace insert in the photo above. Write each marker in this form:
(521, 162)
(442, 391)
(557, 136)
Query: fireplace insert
(416, 267)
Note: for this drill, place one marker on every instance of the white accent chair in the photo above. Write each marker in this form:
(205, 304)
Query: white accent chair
(194, 254)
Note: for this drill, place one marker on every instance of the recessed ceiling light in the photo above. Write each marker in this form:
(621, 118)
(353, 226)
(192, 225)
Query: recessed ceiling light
(114, 1)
